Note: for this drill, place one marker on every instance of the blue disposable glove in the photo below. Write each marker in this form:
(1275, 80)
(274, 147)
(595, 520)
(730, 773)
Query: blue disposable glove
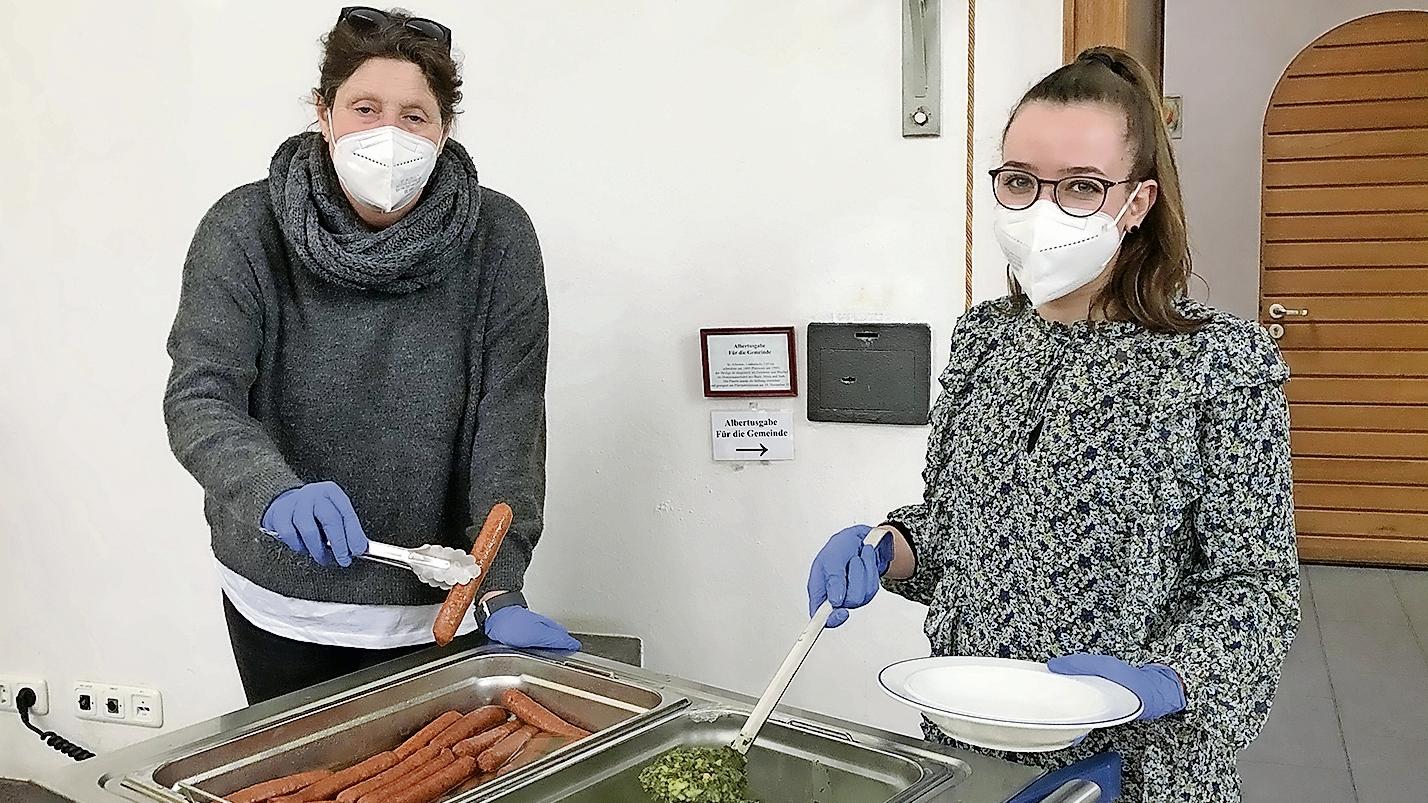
(520, 627)
(1102, 769)
(1157, 685)
(847, 572)
(317, 520)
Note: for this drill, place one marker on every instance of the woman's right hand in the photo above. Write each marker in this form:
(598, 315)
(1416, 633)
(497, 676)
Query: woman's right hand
(847, 572)
(317, 520)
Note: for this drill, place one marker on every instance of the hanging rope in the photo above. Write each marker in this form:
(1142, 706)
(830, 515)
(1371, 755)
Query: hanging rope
(971, 116)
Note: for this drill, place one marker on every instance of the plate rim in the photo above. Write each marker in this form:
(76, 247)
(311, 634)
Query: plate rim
(1013, 723)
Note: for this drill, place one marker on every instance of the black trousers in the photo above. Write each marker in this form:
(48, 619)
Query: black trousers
(271, 665)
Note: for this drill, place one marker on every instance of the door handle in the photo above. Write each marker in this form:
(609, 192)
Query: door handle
(1278, 312)
(918, 10)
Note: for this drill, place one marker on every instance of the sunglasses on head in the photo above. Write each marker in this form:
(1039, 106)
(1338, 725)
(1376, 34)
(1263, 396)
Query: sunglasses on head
(368, 18)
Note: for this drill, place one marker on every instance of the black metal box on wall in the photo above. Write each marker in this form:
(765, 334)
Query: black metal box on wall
(873, 373)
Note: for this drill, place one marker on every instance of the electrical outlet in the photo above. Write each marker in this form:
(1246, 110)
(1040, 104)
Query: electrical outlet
(146, 708)
(124, 705)
(87, 701)
(10, 686)
(92, 701)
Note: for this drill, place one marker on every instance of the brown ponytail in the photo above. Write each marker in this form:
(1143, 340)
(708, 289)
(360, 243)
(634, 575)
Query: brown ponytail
(1153, 266)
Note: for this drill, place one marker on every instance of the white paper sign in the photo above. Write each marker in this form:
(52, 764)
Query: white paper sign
(752, 434)
(756, 363)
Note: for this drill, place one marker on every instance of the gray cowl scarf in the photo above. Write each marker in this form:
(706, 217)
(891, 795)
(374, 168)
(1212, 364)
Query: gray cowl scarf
(332, 242)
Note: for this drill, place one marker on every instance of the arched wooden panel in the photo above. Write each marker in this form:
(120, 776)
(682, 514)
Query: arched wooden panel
(1345, 236)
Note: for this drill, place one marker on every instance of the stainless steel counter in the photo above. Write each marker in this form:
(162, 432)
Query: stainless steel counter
(802, 756)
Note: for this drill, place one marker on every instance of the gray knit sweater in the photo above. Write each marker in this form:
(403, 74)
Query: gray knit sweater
(417, 384)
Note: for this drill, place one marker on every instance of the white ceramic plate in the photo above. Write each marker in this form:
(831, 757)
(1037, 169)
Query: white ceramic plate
(1006, 704)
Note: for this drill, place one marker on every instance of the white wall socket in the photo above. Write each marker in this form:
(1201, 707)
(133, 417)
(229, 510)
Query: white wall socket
(10, 686)
(126, 705)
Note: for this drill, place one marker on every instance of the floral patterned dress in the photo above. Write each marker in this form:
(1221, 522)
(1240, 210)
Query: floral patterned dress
(1102, 488)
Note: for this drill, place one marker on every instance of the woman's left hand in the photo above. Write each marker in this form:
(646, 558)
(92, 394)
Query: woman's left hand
(1157, 685)
(521, 627)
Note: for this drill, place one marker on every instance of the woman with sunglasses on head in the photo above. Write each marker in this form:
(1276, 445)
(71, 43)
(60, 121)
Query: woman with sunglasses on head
(360, 350)
(1108, 475)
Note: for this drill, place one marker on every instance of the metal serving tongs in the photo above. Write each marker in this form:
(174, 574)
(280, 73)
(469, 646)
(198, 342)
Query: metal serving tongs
(784, 676)
(438, 566)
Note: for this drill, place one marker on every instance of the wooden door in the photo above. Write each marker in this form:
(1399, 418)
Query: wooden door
(1137, 26)
(1345, 236)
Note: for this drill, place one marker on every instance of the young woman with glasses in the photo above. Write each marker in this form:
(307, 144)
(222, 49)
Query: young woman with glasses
(1108, 474)
(360, 351)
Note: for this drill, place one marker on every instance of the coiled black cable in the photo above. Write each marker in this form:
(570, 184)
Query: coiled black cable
(24, 701)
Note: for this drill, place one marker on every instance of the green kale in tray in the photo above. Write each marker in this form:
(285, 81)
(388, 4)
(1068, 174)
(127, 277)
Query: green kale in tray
(697, 775)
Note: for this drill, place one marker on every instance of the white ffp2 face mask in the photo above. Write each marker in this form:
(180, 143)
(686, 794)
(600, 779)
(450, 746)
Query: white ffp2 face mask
(1052, 253)
(384, 168)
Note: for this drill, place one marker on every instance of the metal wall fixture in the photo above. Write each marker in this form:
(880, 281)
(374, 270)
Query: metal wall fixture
(921, 68)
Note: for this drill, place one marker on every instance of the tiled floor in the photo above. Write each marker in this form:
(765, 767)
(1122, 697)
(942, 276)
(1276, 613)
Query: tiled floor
(1351, 719)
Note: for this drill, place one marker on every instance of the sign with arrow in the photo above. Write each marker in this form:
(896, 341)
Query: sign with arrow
(752, 434)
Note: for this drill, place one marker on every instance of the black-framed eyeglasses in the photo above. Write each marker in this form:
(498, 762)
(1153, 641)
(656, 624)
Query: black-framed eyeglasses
(368, 18)
(1078, 196)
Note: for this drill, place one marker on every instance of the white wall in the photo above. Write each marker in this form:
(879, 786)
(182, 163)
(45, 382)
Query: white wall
(687, 164)
(1225, 57)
